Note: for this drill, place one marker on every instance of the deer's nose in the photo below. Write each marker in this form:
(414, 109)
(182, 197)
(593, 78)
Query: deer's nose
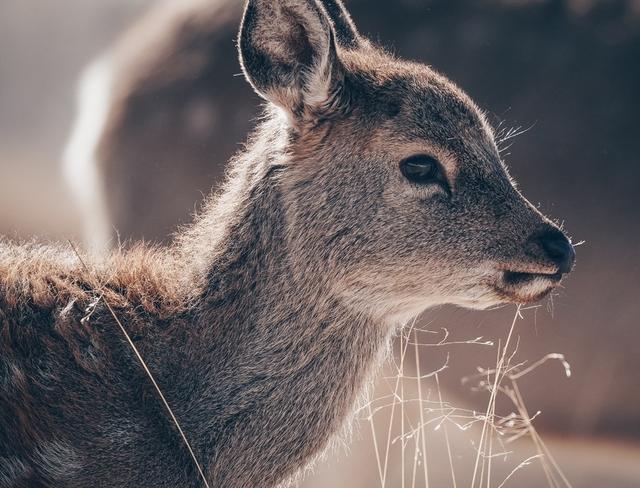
(558, 249)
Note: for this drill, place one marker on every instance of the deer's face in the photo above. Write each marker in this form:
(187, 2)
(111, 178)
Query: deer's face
(394, 188)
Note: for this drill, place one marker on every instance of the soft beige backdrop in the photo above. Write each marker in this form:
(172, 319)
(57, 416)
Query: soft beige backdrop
(579, 161)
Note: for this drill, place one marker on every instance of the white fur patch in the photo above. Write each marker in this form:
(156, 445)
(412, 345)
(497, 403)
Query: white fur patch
(12, 470)
(318, 82)
(57, 460)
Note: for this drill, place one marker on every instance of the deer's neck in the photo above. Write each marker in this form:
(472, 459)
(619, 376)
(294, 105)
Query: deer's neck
(281, 361)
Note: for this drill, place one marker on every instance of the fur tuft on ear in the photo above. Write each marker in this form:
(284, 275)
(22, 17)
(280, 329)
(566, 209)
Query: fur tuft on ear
(288, 54)
(346, 32)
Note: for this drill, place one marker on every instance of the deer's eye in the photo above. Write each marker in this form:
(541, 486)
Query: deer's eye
(422, 170)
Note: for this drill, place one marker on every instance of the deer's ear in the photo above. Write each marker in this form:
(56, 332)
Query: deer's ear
(288, 54)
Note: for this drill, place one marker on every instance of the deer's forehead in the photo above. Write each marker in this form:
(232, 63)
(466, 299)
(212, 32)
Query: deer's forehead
(439, 111)
(422, 104)
(437, 122)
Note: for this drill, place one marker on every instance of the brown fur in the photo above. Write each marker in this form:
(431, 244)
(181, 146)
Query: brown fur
(264, 320)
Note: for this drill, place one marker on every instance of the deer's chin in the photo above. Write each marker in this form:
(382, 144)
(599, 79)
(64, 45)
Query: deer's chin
(483, 299)
(524, 287)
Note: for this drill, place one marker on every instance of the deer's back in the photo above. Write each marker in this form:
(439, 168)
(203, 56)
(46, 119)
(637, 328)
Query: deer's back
(75, 408)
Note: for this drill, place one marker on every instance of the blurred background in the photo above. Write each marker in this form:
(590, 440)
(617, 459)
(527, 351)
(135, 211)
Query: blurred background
(567, 72)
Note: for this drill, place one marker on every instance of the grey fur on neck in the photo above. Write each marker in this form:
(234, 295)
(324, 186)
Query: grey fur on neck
(279, 344)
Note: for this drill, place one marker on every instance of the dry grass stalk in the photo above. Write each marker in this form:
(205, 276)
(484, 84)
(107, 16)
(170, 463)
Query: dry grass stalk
(143, 364)
(496, 430)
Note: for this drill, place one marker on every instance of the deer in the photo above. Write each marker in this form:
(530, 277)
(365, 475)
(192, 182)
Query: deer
(371, 190)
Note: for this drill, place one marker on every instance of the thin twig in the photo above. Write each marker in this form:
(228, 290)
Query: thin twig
(148, 372)
(446, 437)
(422, 433)
(375, 445)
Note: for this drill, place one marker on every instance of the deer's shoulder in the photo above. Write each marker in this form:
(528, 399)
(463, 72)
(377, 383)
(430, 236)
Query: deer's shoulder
(50, 293)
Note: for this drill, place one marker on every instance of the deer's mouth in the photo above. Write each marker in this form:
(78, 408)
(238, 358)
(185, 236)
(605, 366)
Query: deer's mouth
(515, 278)
(526, 286)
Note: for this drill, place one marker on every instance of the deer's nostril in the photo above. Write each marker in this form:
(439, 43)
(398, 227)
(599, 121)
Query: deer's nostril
(558, 248)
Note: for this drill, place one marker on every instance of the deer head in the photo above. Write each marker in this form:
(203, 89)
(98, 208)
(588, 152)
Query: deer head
(394, 188)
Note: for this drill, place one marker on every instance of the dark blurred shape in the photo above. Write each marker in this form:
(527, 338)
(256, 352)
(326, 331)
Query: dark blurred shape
(177, 112)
